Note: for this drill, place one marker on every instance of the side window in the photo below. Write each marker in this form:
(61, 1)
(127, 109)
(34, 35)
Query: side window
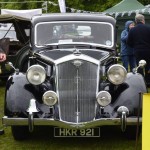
(7, 31)
(8, 39)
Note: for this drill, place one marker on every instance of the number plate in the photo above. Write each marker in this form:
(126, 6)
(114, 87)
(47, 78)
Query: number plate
(91, 132)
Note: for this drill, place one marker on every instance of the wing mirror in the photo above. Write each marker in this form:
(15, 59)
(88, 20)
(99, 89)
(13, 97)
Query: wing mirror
(9, 65)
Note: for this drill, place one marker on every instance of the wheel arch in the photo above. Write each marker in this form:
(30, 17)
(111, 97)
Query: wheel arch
(17, 95)
(131, 95)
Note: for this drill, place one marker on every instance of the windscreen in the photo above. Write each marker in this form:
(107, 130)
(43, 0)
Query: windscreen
(74, 32)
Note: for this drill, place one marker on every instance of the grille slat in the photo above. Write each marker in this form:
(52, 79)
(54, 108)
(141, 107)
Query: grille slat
(77, 91)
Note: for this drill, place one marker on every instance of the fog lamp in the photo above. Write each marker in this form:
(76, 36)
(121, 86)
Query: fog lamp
(50, 98)
(103, 98)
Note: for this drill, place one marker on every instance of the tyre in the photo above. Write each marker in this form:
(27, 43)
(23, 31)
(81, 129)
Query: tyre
(24, 67)
(131, 132)
(20, 132)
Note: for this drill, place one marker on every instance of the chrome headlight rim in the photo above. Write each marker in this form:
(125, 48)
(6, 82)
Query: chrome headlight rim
(36, 74)
(116, 71)
(47, 97)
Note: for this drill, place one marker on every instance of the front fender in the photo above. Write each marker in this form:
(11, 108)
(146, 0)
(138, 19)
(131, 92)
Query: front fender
(131, 95)
(17, 95)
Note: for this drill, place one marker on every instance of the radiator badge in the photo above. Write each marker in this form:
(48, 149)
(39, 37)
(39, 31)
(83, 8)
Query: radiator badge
(77, 63)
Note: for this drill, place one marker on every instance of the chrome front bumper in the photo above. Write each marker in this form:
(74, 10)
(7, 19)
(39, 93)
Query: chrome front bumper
(51, 122)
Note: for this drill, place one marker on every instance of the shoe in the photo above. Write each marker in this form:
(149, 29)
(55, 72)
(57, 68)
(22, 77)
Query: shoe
(1, 131)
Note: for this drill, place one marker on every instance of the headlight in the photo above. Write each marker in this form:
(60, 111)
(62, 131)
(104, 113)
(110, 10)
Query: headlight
(116, 74)
(103, 98)
(50, 98)
(36, 74)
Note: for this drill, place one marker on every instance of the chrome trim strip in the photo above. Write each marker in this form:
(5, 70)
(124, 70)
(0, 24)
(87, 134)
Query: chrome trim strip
(98, 81)
(73, 57)
(77, 108)
(51, 122)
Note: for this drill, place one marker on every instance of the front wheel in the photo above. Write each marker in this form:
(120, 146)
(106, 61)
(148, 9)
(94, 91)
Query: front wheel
(24, 67)
(131, 132)
(20, 132)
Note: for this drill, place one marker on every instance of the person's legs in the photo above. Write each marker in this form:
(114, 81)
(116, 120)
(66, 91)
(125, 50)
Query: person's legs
(139, 56)
(147, 68)
(132, 62)
(145, 55)
(125, 62)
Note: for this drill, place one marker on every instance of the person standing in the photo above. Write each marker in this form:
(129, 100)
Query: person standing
(139, 39)
(127, 53)
(2, 58)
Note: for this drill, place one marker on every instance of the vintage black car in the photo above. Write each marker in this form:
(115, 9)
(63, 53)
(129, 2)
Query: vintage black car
(14, 40)
(73, 82)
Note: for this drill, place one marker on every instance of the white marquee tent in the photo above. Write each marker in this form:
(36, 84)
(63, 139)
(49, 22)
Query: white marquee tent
(22, 13)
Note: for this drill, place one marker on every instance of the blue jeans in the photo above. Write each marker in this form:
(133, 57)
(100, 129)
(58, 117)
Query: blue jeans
(129, 61)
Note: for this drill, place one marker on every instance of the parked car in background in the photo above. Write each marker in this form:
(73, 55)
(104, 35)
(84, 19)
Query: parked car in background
(14, 39)
(74, 82)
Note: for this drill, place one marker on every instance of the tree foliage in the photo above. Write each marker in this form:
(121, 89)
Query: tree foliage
(86, 5)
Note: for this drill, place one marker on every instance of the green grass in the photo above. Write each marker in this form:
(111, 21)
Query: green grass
(41, 140)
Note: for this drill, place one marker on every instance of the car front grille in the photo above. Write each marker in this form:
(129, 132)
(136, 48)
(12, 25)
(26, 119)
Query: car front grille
(76, 87)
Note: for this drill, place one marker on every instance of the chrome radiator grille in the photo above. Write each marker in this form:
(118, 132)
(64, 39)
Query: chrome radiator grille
(77, 91)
